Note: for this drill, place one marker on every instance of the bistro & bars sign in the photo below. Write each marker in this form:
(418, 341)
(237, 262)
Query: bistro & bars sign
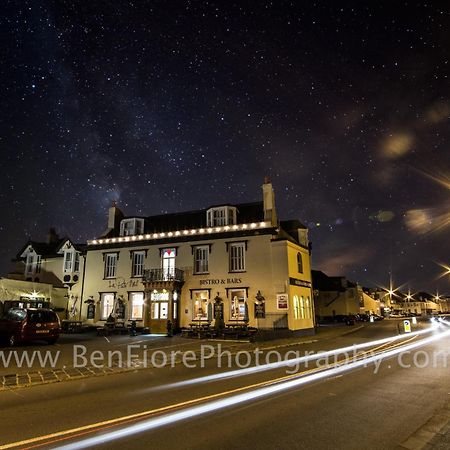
(220, 281)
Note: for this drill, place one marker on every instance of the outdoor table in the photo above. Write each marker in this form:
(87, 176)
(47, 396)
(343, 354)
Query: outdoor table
(71, 326)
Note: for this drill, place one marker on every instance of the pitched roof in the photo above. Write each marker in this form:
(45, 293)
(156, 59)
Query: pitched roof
(246, 213)
(323, 282)
(49, 249)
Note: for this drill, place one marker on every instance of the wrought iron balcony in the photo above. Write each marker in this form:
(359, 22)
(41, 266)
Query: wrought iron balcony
(163, 275)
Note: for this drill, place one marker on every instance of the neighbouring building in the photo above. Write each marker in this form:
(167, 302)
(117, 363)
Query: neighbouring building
(336, 295)
(46, 274)
(235, 261)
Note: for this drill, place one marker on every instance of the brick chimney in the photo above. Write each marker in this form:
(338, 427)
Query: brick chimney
(52, 236)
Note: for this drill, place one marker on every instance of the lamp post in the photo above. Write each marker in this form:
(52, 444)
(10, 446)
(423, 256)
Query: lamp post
(408, 299)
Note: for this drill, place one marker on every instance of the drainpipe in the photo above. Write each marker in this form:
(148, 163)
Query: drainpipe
(82, 287)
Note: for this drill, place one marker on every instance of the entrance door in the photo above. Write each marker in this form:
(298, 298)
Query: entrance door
(160, 311)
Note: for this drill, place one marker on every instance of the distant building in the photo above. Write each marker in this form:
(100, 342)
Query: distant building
(46, 274)
(420, 303)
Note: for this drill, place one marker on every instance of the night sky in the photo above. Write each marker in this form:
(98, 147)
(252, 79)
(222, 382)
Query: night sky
(173, 106)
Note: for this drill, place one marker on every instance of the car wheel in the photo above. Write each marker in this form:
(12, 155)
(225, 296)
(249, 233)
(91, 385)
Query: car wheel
(12, 341)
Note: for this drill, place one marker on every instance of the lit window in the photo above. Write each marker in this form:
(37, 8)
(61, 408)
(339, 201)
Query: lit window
(106, 304)
(110, 265)
(137, 264)
(299, 263)
(200, 305)
(308, 308)
(130, 227)
(302, 308)
(201, 255)
(168, 263)
(159, 305)
(137, 305)
(296, 307)
(237, 257)
(238, 304)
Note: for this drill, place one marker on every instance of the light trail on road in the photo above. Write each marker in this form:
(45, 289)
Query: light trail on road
(288, 362)
(271, 387)
(195, 411)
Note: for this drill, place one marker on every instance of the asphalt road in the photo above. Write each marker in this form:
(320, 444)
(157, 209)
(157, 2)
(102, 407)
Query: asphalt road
(352, 410)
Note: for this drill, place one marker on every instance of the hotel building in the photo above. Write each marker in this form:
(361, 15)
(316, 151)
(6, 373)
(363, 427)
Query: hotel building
(234, 260)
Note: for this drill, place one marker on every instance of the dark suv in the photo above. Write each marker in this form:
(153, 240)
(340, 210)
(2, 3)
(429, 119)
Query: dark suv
(31, 324)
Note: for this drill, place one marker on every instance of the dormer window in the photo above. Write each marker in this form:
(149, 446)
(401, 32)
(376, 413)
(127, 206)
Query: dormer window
(32, 263)
(71, 261)
(223, 215)
(130, 227)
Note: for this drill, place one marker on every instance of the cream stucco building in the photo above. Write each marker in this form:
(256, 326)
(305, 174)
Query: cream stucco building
(46, 274)
(236, 261)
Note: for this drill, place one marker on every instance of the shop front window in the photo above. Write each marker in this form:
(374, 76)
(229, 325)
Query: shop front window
(200, 305)
(238, 299)
(106, 304)
(137, 305)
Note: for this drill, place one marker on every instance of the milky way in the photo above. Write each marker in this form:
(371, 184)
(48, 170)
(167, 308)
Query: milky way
(172, 106)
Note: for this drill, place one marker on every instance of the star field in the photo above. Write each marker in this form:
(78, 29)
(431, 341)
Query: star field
(172, 106)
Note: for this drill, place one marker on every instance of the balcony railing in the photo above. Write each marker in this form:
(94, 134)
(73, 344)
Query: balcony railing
(161, 275)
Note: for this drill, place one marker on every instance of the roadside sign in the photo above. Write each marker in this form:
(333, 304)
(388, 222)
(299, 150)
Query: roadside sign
(407, 326)
(414, 320)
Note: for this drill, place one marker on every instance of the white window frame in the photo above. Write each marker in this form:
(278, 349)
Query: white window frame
(221, 216)
(29, 264)
(76, 262)
(200, 299)
(168, 262)
(137, 300)
(296, 307)
(308, 307)
(201, 259)
(71, 261)
(237, 256)
(38, 264)
(137, 267)
(236, 302)
(68, 261)
(302, 308)
(107, 300)
(137, 227)
(33, 263)
(111, 265)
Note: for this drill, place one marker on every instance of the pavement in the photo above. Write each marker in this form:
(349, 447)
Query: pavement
(433, 435)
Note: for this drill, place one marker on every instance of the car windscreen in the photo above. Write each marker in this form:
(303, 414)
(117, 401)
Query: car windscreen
(42, 316)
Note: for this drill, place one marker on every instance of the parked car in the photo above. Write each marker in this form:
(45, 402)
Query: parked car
(363, 317)
(377, 317)
(31, 324)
